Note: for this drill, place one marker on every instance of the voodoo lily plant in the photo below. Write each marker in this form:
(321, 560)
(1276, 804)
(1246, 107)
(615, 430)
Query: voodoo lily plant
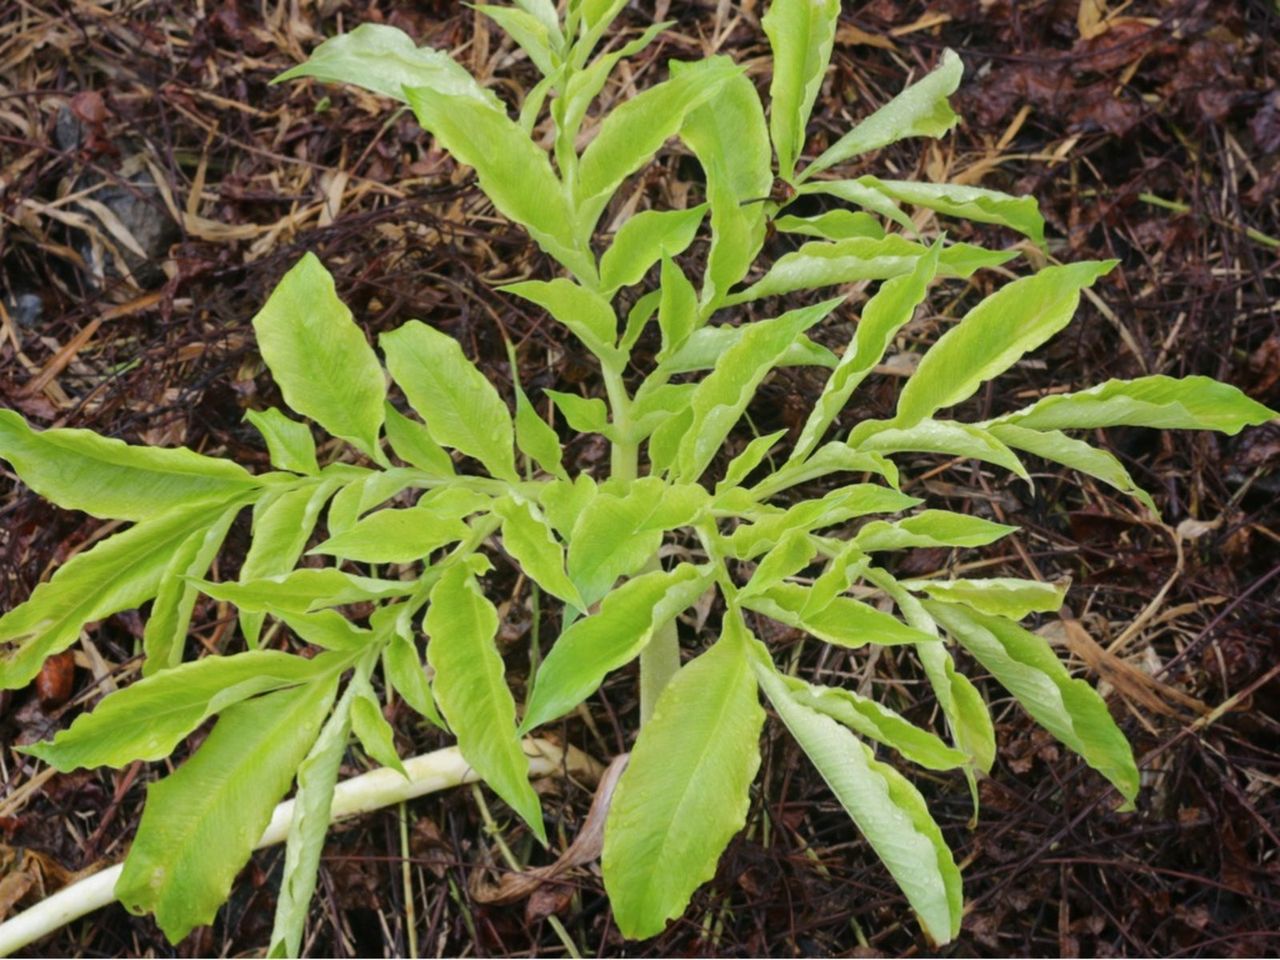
(443, 476)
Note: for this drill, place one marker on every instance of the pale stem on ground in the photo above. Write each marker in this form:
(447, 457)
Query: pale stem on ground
(374, 790)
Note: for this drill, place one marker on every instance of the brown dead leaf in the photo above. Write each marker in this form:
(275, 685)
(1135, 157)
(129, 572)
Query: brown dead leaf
(27, 871)
(429, 847)
(13, 888)
(1120, 43)
(1133, 684)
(585, 848)
(847, 35)
(1091, 18)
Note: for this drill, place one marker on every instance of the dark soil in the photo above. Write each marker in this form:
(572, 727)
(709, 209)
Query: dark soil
(1155, 141)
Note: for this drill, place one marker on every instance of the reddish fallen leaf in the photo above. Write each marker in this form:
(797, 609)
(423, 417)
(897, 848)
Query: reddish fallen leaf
(1264, 364)
(89, 107)
(56, 680)
(1265, 125)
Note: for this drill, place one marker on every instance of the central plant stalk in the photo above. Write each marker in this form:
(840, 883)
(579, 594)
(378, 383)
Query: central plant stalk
(660, 659)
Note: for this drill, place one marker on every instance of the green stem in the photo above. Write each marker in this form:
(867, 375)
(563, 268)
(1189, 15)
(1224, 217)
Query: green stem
(660, 659)
(624, 460)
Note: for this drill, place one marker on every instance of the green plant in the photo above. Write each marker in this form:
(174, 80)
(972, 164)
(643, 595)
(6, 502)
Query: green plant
(594, 544)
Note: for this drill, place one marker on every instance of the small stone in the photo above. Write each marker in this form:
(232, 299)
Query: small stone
(24, 309)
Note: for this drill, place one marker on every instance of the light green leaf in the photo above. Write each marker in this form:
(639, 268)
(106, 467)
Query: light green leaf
(596, 16)
(643, 240)
(459, 406)
(583, 414)
(312, 803)
(148, 719)
(801, 33)
(965, 259)
(838, 506)
(656, 403)
(455, 500)
(868, 718)
(997, 596)
(403, 668)
(859, 194)
(684, 793)
(363, 492)
(412, 443)
(633, 131)
(472, 693)
(395, 536)
(789, 556)
(615, 536)
(80, 470)
(638, 317)
(969, 203)
(165, 634)
(119, 573)
(371, 727)
(832, 225)
(386, 60)
(666, 436)
(201, 823)
(931, 528)
(680, 504)
(319, 357)
(1025, 665)
(846, 566)
(533, 102)
(750, 458)
(822, 264)
(961, 703)
(884, 315)
(564, 501)
(527, 536)
(722, 397)
(328, 629)
(585, 84)
(514, 172)
(834, 457)
(1055, 446)
(731, 141)
(282, 525)
(528, 31)
(402, 664)
(887, 809)
(1014, 320)
(601, 643)
(844, 622)
(677, 309)
(536, 438)
(968, 715)
(305, 590)
(1190, 403)
(289, 442)
(921, 110)
(706, 345)
(949, 437)
(586, 313)
(545, 13)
